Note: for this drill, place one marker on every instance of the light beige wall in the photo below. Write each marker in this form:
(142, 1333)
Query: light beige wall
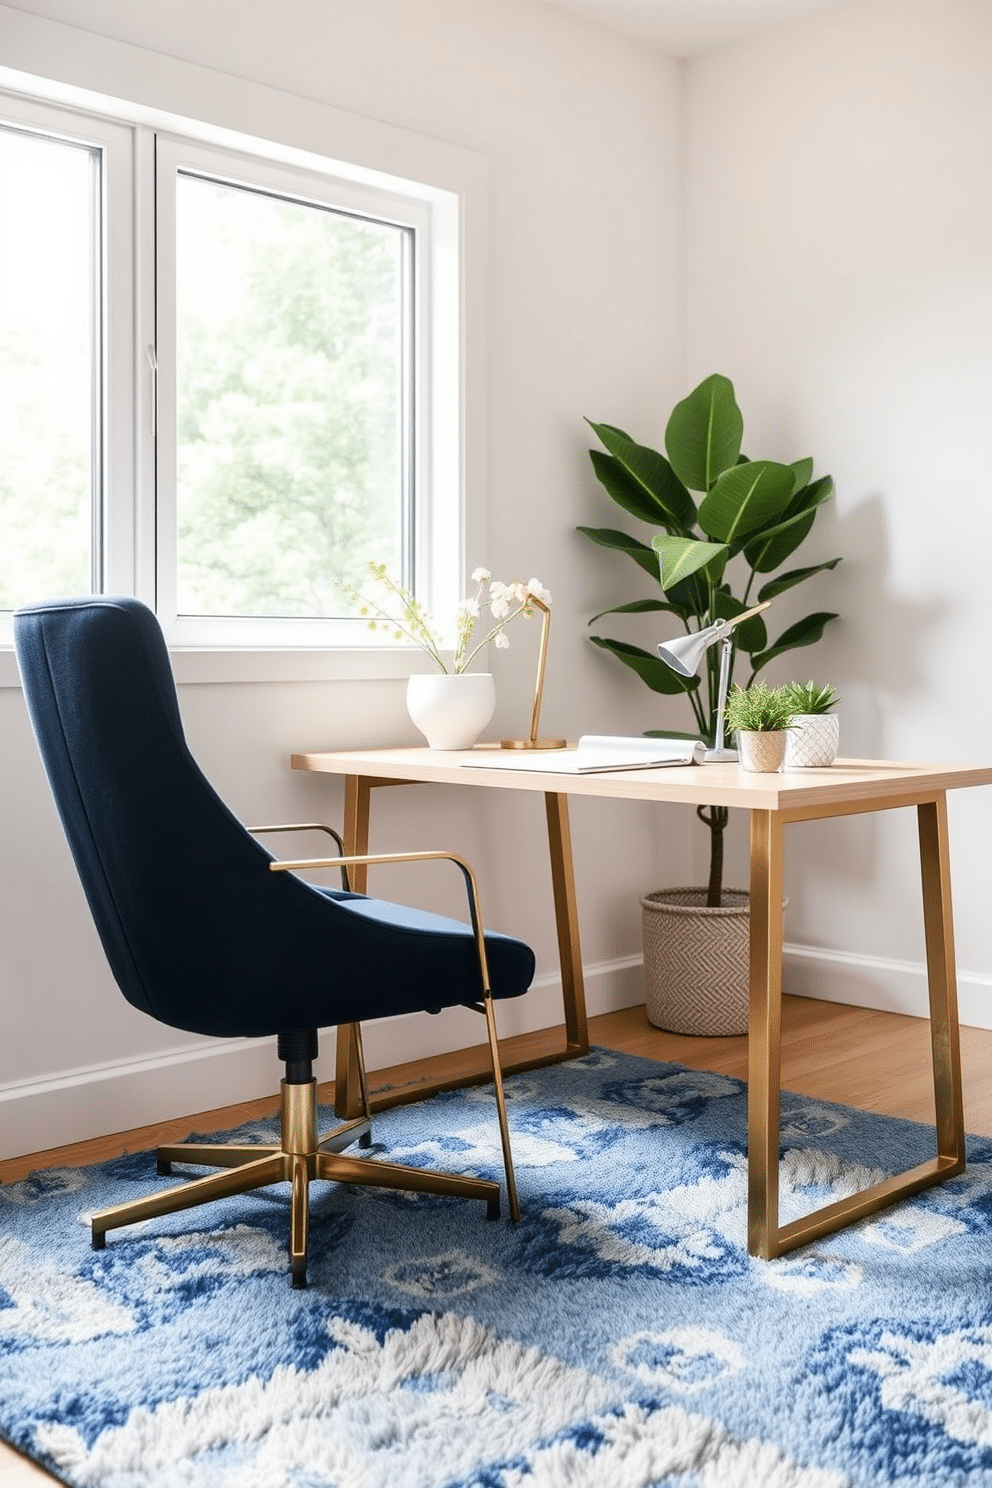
(839, 266)
(580, 133)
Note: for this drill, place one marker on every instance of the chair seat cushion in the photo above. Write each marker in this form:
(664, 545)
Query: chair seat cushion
(511, 961)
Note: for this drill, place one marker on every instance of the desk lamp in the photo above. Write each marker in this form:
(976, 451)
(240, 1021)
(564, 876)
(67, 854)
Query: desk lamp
(685, 653)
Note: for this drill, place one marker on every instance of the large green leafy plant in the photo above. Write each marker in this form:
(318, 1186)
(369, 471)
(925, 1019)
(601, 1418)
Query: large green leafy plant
(713, 558)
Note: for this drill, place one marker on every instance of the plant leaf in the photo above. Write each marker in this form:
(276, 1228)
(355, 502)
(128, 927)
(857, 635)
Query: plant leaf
(745, 498)
(803, 633)
(621, 486)
(668, 498)
(752, 635)
(681, 556)
(771, 548)
(650, 669)
(640, 607)
(622, 542)
(793, 577)
(704, 433)
(803, 472)
(808, 498)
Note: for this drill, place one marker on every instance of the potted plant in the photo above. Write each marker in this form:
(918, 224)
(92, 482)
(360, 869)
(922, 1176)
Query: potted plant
(709, 559)
(450, 705)
(761, 717)
(814, 731)
(712, 559)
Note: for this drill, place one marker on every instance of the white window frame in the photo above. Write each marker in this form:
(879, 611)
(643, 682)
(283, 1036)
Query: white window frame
(448, 205)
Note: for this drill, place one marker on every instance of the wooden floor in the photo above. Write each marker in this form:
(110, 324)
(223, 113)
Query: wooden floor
(823, 1055)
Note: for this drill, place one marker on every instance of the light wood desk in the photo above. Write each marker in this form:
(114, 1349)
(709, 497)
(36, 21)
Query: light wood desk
(772, 802)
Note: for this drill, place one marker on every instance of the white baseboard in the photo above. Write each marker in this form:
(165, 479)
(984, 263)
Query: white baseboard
(97, 1100)
(101, 1099)
(876, 982)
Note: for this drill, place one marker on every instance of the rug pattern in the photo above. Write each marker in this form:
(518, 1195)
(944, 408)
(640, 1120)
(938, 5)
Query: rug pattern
(619, 1336)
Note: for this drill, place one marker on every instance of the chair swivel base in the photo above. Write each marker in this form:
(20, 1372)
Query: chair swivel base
(300, 1157)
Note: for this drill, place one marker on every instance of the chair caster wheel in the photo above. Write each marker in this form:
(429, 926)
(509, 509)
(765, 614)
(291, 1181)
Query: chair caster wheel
(163, 1167)
(492, 1209)
(98, 1240)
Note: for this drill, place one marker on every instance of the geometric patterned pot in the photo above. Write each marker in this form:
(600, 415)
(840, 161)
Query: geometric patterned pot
(812, 740)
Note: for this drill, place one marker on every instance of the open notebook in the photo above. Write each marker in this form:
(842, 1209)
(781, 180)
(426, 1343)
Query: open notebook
(597, 752)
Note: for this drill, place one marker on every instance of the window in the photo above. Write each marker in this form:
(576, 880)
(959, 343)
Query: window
(225, 380)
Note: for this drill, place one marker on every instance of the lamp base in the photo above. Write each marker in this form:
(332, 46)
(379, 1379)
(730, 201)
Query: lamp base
(536, 744)
(720, 757)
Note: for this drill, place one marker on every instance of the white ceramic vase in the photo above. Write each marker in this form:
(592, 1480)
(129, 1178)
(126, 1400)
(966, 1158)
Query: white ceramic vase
(761, 752)
(451, 708)
(812, 741)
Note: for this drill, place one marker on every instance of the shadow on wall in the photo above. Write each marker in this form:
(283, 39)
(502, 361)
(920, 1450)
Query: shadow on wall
(885, 633)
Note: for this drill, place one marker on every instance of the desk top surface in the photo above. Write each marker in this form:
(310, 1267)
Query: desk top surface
(848, 782)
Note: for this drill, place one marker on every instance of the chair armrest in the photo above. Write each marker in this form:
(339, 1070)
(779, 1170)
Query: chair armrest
(471, 888)
(310, 827)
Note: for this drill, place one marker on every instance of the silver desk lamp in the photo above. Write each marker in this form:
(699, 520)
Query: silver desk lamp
(685, 653)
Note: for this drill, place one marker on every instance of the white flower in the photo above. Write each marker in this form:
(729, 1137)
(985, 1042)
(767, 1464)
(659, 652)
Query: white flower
(500, 608)
(501, 641)
(519, 592)
(480, 575)
(471, 607)
(537, 589)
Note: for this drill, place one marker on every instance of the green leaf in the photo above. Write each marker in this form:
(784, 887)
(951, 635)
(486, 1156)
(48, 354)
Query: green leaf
(745, 498)
(752, 635)
(803, 472)
(652, 473)
(770, 548)
(704, 433)
(640, 607)
(681, 556)
(793, 577)
(628, 493)
(621, 542)
(808, 498)
(650, 669)
(803, 633)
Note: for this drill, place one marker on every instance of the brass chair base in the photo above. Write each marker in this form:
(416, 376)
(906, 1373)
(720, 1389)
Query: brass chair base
(301, 1157)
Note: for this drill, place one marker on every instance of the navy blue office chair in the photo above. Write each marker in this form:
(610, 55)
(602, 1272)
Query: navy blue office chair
(202, 930)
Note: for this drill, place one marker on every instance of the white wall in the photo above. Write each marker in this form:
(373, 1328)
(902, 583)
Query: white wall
(839, 267)
(580, 133)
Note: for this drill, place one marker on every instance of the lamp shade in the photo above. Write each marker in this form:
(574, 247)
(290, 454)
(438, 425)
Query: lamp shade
(684, 653)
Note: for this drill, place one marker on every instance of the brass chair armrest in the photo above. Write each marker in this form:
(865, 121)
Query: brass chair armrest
(311, 827)
(302, 865)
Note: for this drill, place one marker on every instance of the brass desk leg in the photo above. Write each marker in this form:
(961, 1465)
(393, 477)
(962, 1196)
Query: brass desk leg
(942, 982)
(764, 1034)
(765, 1236)
(567, 924)
(347, 1078)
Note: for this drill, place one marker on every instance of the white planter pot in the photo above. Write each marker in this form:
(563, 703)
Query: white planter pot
(451, 709)
(812, 741)
(761, 753)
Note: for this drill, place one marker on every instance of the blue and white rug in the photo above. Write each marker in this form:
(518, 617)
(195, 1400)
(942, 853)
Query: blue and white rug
(619, 1337)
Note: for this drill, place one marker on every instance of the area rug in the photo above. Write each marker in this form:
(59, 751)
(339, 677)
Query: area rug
(618, 1336)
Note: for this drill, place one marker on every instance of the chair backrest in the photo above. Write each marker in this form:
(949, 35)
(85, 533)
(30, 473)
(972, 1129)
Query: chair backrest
(198, 932)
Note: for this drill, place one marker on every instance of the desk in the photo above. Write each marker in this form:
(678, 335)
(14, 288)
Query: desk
(772, 801)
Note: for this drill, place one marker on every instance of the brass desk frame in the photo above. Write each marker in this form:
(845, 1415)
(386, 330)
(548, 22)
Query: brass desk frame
(773, 802)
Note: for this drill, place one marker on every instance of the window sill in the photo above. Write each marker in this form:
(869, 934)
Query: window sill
(193, 665)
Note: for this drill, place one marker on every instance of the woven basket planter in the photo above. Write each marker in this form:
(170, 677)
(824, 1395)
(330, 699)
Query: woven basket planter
(696, 961)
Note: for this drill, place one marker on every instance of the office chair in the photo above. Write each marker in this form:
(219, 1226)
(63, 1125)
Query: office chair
(205, 932)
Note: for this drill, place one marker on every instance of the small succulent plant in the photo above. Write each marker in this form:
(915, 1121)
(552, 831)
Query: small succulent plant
(810, 697)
